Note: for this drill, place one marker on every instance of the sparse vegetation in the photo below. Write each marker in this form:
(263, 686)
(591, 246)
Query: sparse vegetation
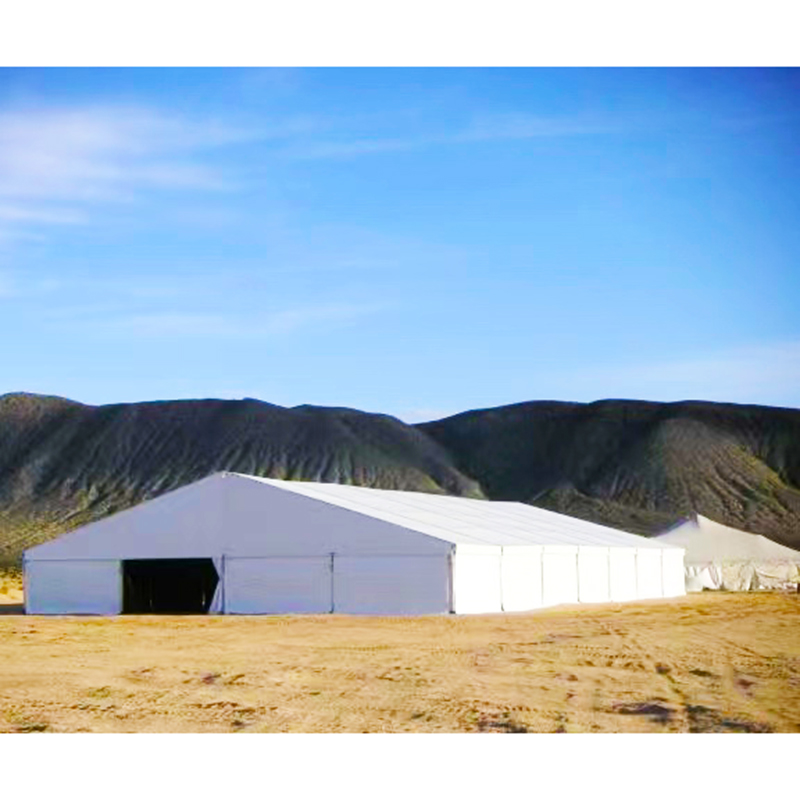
(639, 466)
(632, 465)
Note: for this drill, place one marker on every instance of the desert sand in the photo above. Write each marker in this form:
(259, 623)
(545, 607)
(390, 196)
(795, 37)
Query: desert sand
(709, 662)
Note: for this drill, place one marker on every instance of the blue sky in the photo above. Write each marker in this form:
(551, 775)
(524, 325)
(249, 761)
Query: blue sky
(412, 241)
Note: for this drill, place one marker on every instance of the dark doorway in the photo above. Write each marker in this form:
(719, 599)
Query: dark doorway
(168, 586)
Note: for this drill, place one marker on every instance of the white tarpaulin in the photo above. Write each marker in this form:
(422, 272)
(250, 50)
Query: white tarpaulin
(247, 545)
(719, 557)
(72, 587)
(391, 585)
(278, 585)
(521, 578)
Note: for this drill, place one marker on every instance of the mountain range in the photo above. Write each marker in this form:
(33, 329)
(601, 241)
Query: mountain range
(635, 465)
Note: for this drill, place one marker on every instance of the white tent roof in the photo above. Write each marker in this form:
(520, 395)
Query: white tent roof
(462, 520)
(242, 515)
(708, 541)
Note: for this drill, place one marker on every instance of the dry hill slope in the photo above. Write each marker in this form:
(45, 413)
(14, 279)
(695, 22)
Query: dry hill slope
(637, 465)
(634, 465)
(63, 464)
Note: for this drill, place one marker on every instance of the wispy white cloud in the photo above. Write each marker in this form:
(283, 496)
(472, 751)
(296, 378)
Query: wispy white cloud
(529, 126)
(10, 235)
(295, 319)
(326, 248)
(761, 374)
(273, 325)
(58, 164)
(100, 151)
(52, 216)
(767, 374)
(481, 129)
(12, 285)
(170, 324)
(354, 147)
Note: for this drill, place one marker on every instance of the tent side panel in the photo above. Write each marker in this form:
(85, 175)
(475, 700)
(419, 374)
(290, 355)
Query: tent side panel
(593, 577)
(672, 573)
(559, 576)
(697, 578)
(521, 578)
(73, 587)
(648, 573)
(781, 575)
(277, 586)
(392, 585)
(476, 580)
(622, 573)
(739, 576)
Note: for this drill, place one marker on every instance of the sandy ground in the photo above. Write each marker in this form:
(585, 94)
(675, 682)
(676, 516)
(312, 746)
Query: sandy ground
(711, 662)
(10, 587)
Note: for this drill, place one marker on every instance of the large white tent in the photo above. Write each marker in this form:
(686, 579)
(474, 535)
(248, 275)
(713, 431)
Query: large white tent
(237, 544)
(719, 557)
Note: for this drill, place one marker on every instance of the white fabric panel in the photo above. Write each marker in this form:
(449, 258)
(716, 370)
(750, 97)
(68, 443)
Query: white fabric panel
(742, 576)
(73, 587)
(521, 578)
(695, 579)
(593, 578)
(391, 585)
(185, 523)
(216, 602)
(476, 581)
(559, 576)
(622, 573)
(777, 576)
(277, 585)
(672, 573)
(648, 579)
(707, 577)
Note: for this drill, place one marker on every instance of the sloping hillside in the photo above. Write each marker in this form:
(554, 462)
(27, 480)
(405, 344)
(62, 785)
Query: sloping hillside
(63, 464)
(637, 465)
(633, 465)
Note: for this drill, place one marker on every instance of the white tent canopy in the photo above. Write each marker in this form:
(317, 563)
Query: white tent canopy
(257, 545)
(719, 557)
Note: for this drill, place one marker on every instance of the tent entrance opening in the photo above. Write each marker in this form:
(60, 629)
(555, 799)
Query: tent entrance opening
(168, 585)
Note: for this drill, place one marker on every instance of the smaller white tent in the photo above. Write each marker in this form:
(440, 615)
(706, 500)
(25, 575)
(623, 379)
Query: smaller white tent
(719, 557)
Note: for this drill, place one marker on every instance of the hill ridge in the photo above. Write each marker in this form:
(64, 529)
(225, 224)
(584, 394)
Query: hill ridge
(635, 465)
